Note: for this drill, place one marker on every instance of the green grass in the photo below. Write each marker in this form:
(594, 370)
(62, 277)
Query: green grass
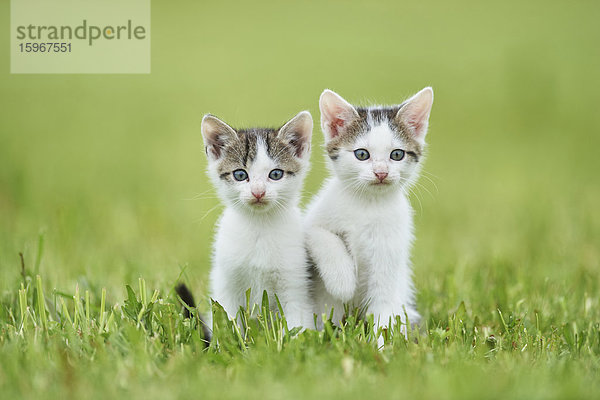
(102, 183)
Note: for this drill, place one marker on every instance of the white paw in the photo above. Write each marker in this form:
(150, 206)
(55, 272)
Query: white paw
(342, 286)
(293, 323)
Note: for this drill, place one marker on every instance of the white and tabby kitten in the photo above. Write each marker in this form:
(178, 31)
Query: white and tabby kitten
(359, 226)
(259, 244)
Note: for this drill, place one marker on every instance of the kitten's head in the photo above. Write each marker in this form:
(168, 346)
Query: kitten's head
(378, 149)
(258, 169)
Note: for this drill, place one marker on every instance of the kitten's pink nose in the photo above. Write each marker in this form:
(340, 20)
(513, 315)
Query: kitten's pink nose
(381, 175)
(258, 194)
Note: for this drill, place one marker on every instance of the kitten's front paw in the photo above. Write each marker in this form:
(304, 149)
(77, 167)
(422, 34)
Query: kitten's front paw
(342, 287)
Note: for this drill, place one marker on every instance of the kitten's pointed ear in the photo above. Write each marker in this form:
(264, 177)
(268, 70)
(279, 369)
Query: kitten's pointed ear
(215, 133)
(336, 114)
(415, 113)
(298, 132)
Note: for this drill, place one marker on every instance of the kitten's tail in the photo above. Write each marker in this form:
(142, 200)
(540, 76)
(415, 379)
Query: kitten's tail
(186, 296)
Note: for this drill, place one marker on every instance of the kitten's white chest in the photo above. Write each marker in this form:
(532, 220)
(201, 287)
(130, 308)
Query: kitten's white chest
(251, 255)
(381, 237)
(251, 247)
(368, 227)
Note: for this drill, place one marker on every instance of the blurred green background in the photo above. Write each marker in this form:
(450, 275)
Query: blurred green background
(110, 168)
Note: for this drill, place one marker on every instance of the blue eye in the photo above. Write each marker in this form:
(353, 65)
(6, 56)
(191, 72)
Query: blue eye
(361, 154)
(397, 154)
(276, 174)
(240, 175)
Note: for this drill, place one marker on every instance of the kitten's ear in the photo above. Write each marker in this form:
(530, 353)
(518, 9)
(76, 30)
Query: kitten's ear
(415, 113)
(336, 114)
(298, 132)
(215, 133)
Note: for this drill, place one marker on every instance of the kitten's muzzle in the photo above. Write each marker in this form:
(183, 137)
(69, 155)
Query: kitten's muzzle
(258, 199)
(258, 194)
(381, 176)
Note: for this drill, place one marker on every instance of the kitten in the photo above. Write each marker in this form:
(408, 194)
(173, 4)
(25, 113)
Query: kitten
(259, 243)
(359, 227)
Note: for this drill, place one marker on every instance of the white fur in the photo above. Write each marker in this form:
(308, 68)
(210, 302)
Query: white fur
(261, 254)
(359, 234)
(262, 248)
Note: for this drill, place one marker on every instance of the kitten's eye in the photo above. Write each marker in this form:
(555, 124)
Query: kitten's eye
(397, 154)
(276, 174)
(240, 175)
(361, 154)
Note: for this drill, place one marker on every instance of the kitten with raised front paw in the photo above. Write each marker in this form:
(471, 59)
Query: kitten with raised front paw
(360, 225)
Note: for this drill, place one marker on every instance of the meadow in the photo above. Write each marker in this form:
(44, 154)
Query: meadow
(103, 192)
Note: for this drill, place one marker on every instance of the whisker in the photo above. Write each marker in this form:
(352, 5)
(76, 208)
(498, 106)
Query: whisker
(202, 195)
(422, 187)
(208, 212)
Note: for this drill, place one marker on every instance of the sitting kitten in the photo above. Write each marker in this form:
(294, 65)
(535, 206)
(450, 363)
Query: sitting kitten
(359, 227)
(259, 243)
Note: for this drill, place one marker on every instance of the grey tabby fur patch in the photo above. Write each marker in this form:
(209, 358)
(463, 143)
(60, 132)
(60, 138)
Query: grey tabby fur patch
(369, 118)
(239, 151)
